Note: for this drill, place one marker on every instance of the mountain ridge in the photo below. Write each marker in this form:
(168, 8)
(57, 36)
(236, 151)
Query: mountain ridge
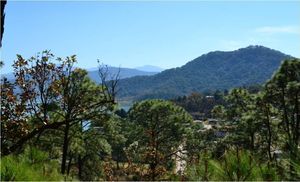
(208, 72)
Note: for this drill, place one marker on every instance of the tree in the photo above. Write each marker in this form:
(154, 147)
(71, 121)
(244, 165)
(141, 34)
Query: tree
(199, 105)
(13, 117)
(284, 91)
(239, 114)
(46, 96)
(28, 101)
(267, 117)
(162, 128)
(268, 121)
(82, 100)
(252, 119)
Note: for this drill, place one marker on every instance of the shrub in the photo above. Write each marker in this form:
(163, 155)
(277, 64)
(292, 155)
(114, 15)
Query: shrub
(234, 165)
(32, 165)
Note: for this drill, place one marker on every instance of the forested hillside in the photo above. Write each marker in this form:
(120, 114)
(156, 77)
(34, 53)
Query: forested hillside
(209, 72)
(228, 115)
(61, 125)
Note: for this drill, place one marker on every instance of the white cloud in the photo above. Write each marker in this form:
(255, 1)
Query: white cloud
(279, 29)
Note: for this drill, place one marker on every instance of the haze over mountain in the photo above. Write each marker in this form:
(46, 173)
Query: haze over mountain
(150, 68)
(93, 73)
(211, 71)
(124, 72)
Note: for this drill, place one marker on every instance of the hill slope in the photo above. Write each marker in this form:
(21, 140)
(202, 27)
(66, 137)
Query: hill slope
(215, 70)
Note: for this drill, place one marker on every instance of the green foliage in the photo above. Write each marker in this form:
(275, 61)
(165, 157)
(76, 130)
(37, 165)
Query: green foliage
(202, 170)
(269, 172)
(161, 128)
(283, 93)
(59, 113)
(200, 105)
(92, 169)
(32, 165)
(267, 122)
(235, 165)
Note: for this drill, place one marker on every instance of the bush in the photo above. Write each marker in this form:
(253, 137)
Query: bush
(232, 166)
(32, 165)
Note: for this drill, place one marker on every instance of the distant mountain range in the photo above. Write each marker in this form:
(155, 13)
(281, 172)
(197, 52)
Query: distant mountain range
(93, 73)
(150, 68)
(124, 72)
(209, 72)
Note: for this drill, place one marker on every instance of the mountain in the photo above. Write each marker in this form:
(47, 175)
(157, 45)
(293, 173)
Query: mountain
(93, 73)
(211, 71)
(124, 72)
(150, 68)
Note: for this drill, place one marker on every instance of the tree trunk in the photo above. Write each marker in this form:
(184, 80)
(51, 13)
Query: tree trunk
(118, 165)
(69, 165)
(297, 128)
(19, 144)
(79, 167)
(252, 141)
(269, 134)
(65, 148)
(153, 173)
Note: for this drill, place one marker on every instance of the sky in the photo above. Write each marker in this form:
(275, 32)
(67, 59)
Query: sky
(162, 33)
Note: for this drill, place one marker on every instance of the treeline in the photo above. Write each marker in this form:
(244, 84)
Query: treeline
(57, 124)
(200, 105)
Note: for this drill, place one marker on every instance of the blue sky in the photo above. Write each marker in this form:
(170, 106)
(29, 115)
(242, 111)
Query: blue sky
(162, 33)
